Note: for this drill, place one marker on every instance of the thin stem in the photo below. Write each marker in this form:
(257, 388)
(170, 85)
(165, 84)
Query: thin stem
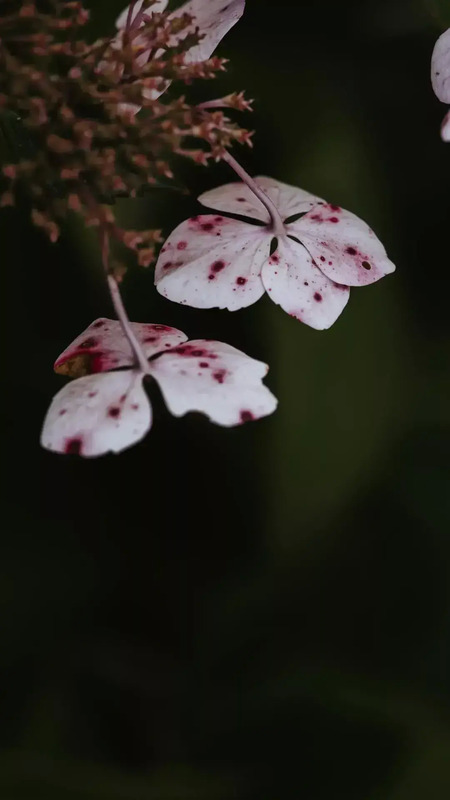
(139, 355)
(130, 16)
(119, 308)
(276, 220)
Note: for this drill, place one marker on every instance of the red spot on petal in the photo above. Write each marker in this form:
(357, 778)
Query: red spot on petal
(275, 259)
(219, 376)
(351, 251)
(62, 412)
(366, 265)
(241, 199)
(73, 447)
(318, 297)
(161, 328)
(114, 412)
(333, 219)
(203, 364)
(207, 226)
(218, 266)
(92, 394)
(322, 258)
(98, 324)
(181, 245)
(334, 208)
(135, 406)
(87, 344)
(241, 281)
(151, 339)
(246, 416)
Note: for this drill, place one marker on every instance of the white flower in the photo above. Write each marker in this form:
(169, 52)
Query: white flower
(108, 411)
(211, 18)
(440, 77)
(217, 261)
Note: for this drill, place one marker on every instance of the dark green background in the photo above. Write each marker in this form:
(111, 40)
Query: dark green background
(259, 613)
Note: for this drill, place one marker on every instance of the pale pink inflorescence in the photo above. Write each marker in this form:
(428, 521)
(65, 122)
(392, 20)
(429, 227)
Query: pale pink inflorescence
(218, 261)
(109, 411)
(440, 78)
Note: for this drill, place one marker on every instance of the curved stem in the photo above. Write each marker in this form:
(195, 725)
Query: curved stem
(122, 316)
(119, 308)
(276, 220)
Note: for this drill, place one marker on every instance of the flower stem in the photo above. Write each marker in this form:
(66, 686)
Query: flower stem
(276, 220)
(119, 308)
(116, 298)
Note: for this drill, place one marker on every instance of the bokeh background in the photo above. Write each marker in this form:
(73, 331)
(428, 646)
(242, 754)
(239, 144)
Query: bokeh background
(259, 613)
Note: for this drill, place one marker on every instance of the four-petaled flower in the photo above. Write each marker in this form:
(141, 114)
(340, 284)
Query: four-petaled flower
(321, 250)
(440, 77)
(107, 410)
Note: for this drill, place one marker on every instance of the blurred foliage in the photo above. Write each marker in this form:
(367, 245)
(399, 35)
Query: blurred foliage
(262, 612)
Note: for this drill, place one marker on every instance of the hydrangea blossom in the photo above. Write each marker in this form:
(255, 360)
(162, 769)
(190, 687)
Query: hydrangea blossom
(107, 409)
(440, 77)
(211, 21)
(306, 257)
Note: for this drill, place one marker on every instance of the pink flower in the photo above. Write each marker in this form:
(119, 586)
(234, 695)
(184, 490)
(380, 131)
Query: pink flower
(109, 411)
(306, 265)
(440, 77)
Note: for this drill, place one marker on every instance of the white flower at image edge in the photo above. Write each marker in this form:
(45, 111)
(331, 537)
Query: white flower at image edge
(109, 411)
(440, 77)
(212, 18)
(218, 261)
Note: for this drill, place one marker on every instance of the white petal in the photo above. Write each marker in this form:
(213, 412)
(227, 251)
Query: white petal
(440, 67)
(237, 198)
(214, 18)
(98, 414)
(445, 128)
(104, 346)
(213, 261)
(294, 282)
(342, 245)
(157, 7)
(215, 379)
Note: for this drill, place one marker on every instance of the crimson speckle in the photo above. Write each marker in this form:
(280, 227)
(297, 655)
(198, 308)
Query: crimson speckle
(62, 412)
(168, 265)
(316, 217)
(99, 324)
(322, 258)
(219, 376)
(241, 281)
(161, 328)
(218, 266)
(333, 219)
(114, 412)
(92, 394)
(181, 245)
(203, 364)
(151, 339)
(351, 251)
(135, 406)
(73, 447)
(87, 344)
(218, 219)
(207, 226)
(246, 416)
(335, 208)
(240, 199)
(305, 283)
(318, 297)
(211, 277)
(366, 265)
(275, 259)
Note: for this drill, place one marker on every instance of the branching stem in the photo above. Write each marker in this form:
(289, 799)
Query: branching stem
(278, 227)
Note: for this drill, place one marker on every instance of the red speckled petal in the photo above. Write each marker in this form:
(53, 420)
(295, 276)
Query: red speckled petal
(445, 128)
(213, 262)
(342, 245)
(237, 198)
(294, 282)
(98, 414)
(103, 346)
(215, 379)
(440, 67)
(158, 7)
(214, 19)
